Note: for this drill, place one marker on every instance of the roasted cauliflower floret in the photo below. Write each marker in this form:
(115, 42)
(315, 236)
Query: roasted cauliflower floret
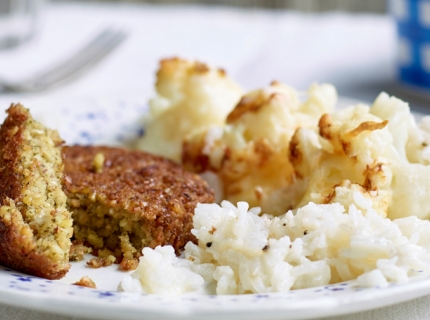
(190, 96)
(278, 150)
(249, 154)
(348, 152)
(368, 150)
(410, 166)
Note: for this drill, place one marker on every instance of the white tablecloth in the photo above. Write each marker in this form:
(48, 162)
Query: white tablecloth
(355, 53)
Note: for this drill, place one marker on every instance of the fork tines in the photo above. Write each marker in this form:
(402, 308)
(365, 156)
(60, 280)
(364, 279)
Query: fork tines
(100, 46)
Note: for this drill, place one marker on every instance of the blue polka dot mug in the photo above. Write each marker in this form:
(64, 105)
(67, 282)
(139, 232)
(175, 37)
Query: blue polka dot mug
(412, 19)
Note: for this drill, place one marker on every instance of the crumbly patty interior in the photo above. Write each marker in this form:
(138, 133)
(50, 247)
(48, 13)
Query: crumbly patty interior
(43, 200)
(108, 230)
(43, 203)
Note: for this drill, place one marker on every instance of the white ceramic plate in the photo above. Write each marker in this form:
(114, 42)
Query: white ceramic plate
(115, 122)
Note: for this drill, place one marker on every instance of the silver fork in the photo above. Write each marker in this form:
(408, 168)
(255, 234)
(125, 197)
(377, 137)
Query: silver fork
(100, 46)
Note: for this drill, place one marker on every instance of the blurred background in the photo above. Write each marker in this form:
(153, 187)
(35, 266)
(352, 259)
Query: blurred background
(362, 47)
(302, 5)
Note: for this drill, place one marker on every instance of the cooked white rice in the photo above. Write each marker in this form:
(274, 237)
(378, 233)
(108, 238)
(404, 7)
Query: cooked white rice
(239, 251)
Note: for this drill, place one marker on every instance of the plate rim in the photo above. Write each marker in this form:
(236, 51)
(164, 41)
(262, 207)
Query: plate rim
(124, 308)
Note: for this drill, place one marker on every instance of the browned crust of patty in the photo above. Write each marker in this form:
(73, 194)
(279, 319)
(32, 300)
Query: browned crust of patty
(17, 250)
(10, 140)
(154, 191)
